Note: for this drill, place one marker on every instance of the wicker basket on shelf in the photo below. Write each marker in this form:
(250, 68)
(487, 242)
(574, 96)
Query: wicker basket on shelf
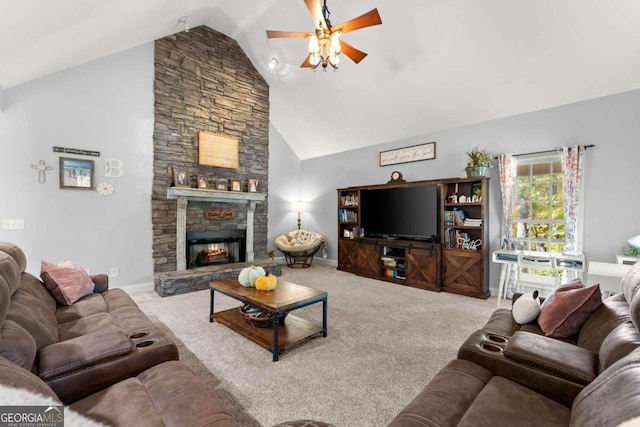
(263, 321)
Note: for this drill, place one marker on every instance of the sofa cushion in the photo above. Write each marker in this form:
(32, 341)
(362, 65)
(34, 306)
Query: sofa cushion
(17, 345)
(566, 310)
(612, 398)
(34, 286)
(67, 281)
(465, 394)
(168, 394)
(30, 313)
(613, 312)
(16, 253)
(84, 307)
(84, 325)
(9, 282)
(620, 342)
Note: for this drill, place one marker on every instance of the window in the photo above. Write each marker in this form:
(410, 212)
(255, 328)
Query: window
(538, 215)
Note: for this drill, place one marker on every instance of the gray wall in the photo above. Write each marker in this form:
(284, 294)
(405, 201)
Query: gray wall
(611, 123)
(284, 175)
(107, 106)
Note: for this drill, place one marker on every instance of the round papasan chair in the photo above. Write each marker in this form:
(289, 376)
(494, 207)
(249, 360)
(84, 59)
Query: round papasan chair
(300, 246)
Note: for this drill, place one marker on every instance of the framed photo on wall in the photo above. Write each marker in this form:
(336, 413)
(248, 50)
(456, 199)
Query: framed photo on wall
(76, 173)
(253, 185)
(180, 178)
(202, 182)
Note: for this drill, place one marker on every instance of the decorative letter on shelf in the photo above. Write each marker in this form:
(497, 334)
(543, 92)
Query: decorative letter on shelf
(217, 150)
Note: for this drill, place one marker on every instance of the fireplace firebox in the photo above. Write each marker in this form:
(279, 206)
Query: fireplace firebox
(215, 247)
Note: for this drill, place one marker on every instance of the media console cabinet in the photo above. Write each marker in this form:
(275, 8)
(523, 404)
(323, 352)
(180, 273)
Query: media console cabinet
(456, 262)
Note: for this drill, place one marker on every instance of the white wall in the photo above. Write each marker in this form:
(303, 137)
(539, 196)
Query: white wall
(106, 106)
(611, 204)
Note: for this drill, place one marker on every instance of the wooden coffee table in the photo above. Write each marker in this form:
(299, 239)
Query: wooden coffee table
(285, 298)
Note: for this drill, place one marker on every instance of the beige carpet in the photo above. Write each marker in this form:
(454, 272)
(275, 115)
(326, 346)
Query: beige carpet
(385, 343)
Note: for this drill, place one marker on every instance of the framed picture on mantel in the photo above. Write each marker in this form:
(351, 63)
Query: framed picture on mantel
(180, 177)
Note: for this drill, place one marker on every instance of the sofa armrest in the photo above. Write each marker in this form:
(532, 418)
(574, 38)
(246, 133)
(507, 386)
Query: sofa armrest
(101, 282)
(577, 364)
(77, 354)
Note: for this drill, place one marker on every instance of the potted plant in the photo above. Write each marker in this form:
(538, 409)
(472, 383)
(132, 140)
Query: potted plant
(479, 161)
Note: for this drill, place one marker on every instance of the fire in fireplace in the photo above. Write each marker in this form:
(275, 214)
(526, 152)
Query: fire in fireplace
(215, 247)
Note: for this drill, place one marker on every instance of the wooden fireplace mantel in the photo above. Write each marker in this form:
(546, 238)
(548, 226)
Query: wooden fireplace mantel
(184, 195)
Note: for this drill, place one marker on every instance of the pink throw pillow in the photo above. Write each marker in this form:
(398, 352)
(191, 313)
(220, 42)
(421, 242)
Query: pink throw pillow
(66, 281)
(565, 311)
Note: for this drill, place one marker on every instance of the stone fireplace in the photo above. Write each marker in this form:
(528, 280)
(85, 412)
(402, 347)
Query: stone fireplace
(205, 82)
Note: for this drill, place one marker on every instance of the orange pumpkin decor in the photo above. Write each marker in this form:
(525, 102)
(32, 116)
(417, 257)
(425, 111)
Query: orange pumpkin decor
(266, 283)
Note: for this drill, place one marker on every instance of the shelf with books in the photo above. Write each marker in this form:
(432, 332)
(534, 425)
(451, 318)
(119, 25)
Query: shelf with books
(465, 233)
(348, 213)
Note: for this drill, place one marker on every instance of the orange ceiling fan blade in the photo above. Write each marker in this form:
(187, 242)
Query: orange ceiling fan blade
(316, 14)
(284, 34)
(351, 52)
(307, 62)
(366, 20)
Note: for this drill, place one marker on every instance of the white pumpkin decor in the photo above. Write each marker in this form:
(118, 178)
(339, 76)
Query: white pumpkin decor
(248, 276)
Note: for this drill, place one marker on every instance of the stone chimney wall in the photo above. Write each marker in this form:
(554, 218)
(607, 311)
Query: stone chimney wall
(205, 82)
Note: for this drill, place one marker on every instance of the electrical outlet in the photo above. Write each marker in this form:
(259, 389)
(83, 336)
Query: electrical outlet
(13, 224)
(114, 272)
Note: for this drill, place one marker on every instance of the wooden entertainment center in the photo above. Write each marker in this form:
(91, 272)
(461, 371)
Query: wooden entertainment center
(455, 261)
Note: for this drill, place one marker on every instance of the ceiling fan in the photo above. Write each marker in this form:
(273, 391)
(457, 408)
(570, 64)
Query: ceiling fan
(325, 44)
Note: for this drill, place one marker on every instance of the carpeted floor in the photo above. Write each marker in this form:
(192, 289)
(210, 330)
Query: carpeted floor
(385, 343)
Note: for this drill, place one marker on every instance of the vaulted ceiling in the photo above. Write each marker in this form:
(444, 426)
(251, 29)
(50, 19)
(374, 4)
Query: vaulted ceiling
(432, 64)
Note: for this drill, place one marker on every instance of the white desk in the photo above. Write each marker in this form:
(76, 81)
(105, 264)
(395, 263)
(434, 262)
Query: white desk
(550, 260)
(608, 274)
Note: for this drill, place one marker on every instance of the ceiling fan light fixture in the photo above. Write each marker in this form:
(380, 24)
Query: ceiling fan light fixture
(325, 44)
(314, 46)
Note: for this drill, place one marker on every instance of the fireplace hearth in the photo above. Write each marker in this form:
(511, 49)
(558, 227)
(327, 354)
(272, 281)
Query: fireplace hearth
(215, 247)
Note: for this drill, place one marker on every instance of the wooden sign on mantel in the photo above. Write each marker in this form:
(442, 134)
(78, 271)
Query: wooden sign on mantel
(220, 214)
(217, 150)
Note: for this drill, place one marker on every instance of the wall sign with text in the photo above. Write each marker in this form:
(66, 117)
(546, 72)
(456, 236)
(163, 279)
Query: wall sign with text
(415, 153)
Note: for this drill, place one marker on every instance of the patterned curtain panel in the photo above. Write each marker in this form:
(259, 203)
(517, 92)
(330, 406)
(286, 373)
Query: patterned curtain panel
(507, 164)
(571, 158)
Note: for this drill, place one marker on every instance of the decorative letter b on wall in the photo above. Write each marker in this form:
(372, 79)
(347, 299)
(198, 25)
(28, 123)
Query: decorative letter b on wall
(114, 168)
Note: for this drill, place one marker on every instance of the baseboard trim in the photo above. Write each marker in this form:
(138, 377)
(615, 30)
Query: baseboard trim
(135, 287)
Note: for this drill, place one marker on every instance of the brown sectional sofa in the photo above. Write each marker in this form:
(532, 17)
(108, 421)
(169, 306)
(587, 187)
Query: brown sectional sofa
(101, 355)
(510, 374)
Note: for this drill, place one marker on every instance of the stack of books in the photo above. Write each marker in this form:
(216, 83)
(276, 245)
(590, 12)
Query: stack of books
(472, 222)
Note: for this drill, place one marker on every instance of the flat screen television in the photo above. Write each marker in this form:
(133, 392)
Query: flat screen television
(401, 212)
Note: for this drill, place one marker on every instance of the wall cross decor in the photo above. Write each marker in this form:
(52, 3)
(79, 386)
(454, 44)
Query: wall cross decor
(42, 168)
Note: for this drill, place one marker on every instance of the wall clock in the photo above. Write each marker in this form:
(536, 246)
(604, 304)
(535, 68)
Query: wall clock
(104, 189)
